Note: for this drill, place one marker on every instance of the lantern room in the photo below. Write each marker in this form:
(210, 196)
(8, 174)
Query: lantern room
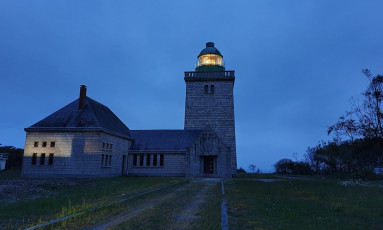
(210, 59)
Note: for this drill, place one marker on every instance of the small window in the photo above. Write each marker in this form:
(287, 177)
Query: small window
(107, 146)
(212, 89)
(102, 159)
(111, 146)
(110, 160)
(162, 160)
(53, 144)
(34, 158)
(42, 158)
(141, 160)
(50, 159)
(155, 160)
(148, 160)
(135, 160)
(103, 145)
(44, 144)
(106, 159)
(206, 89)
(36, 144)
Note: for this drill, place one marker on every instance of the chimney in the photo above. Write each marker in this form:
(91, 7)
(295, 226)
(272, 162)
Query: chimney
(82, 99)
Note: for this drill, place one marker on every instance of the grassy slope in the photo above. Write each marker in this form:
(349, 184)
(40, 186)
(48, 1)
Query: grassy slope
(73, 199)
(303, 204)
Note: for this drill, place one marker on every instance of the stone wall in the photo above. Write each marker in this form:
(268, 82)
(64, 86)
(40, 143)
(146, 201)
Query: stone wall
(174, 165)
(212, 109)
(208, 144)
(76, 154)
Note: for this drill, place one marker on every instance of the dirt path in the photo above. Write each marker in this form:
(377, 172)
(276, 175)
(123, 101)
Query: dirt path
(177, 208)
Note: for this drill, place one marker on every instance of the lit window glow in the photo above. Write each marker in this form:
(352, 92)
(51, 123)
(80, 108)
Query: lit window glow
(210, 59)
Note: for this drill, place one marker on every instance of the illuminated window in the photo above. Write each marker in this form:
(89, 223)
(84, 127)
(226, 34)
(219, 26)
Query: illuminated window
(210, 59)
(34, 158)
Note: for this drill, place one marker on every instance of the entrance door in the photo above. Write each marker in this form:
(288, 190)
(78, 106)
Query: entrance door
(208, 165)
(123, 164)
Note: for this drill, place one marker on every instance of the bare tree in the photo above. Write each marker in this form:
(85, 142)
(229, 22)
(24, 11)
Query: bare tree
(252, 168)
(365, 119)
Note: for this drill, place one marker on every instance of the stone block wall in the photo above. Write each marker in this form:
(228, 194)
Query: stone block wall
(174, 165)
(208, 144)
(212, 109)
(76, 154)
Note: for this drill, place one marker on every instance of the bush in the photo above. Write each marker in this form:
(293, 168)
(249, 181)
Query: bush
(15, 156)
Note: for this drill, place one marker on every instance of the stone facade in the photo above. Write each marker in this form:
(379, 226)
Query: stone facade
(210, 102)
(75, 154)
(173, 164)
(208, 149)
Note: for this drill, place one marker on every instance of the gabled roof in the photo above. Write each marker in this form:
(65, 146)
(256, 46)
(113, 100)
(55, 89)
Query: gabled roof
(163, 140)
(93, 117)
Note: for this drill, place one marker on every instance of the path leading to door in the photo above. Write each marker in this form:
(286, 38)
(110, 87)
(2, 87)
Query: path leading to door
(179, 207)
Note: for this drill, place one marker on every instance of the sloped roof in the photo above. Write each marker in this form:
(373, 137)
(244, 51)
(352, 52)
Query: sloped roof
(93, 117)
(163, 140)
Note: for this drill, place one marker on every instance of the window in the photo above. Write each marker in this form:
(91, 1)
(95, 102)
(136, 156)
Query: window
(148, 160)
(50, 162)
(44, 144)
(206, 89)
(42, 158)
(110, 159)
(34, 158)
(106, 159)
(141, 160)
(102, 159)
(162, 160)
(107, 146)
(53, 144)
(155, 160)
(36, 144)
(135, 160)
(212, 89)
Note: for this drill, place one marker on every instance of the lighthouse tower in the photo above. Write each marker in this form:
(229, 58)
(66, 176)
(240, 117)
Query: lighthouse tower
(210, 102)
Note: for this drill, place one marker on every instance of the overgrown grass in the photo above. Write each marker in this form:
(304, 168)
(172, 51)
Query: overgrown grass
(73, 199)
(303, 204)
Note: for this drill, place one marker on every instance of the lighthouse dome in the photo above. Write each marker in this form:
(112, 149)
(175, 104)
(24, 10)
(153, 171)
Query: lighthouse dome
(210, 59)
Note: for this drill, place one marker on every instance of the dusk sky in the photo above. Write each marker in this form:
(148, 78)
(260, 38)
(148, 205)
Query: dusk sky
(297, 64)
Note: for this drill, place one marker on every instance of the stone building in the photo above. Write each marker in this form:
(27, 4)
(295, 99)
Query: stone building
(85, 138)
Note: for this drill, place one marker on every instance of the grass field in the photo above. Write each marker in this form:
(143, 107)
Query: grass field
(86, 194)
(254, 201)
(304, 203)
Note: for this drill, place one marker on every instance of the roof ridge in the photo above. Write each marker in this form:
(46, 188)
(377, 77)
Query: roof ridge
(91, 109)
